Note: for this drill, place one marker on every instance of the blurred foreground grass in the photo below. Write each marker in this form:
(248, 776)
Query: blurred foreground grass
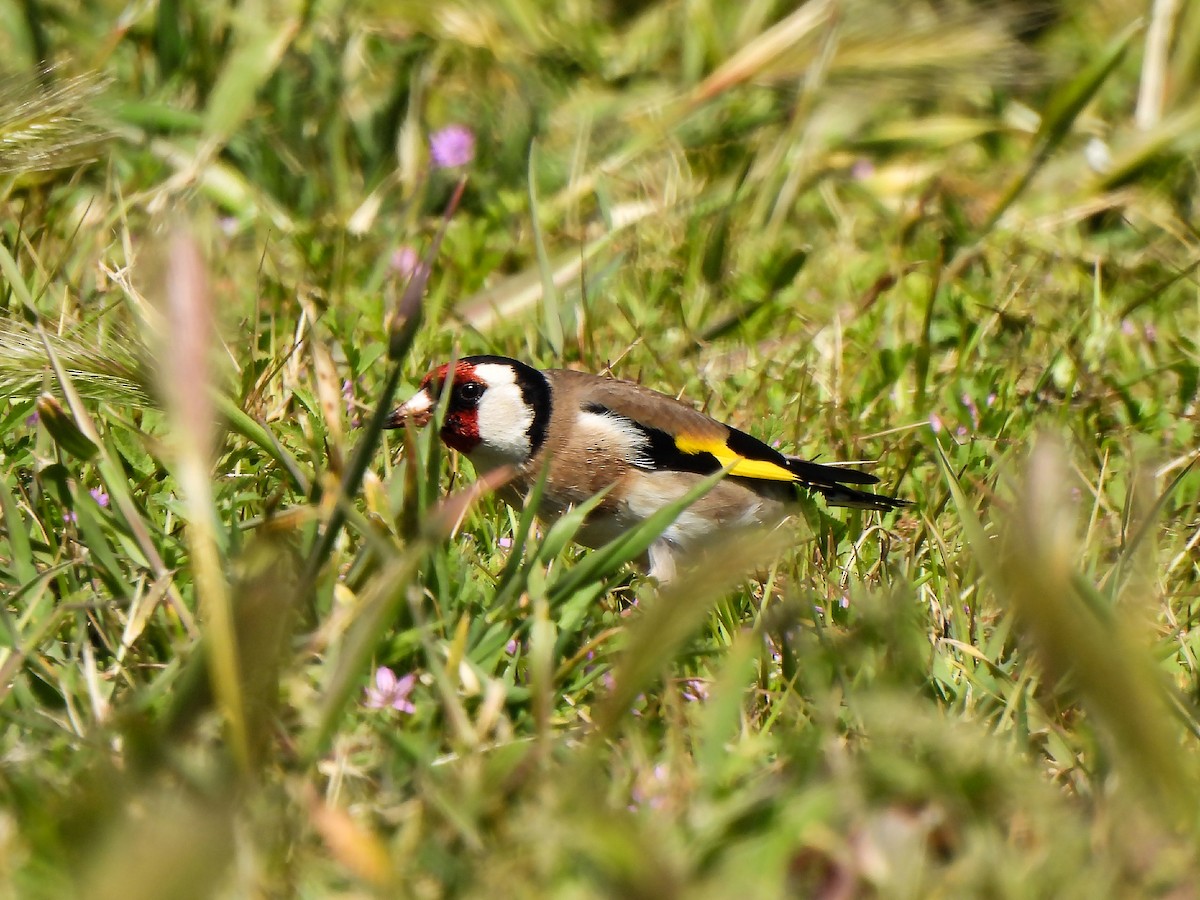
(251, 646)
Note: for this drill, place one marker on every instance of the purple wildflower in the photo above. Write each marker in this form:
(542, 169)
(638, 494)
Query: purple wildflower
(862, 169)
(694, 689)
(100, 497)
(971, 408)
(1149, 332)
(348, 396)
(505, 543)
(404, 262)
(935, 422)
(649, 789)
(32, 419)
(511, 647)
(391, 692)
(452, 146)
(69, 517)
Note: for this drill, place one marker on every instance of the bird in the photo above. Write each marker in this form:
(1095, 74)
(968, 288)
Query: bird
(646, 448)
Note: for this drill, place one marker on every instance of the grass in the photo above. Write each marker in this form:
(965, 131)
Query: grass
(954, 241)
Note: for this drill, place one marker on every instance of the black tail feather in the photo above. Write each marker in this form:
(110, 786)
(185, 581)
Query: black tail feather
(838, 495)
(816, 474)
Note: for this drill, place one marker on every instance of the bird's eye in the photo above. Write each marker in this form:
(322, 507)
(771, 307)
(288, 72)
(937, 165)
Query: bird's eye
(468, 391)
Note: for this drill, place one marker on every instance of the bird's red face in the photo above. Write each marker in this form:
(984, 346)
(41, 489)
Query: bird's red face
(496, 413)
(460, 428)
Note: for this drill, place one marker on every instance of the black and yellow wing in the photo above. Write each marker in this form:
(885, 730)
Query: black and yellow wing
(680, 438)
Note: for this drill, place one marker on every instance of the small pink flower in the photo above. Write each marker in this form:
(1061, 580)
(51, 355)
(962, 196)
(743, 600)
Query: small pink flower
(404, 262)
(452, 146)
(99, 496)
(69, 517)
(511, 647)
(348, 396)
(650, 789)
(935, 422)
(971, 408)
(391, 692)
(32, 419)
(694, 689)
(505, 543)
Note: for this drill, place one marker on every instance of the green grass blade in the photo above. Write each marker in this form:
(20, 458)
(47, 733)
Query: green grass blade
(17, 533)
(676, 614)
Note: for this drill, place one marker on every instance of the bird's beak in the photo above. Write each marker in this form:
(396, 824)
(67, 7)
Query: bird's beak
(418, 410)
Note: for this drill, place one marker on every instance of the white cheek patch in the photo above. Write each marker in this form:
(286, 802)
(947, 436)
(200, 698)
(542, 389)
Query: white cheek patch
(504, 418)
(613, 436)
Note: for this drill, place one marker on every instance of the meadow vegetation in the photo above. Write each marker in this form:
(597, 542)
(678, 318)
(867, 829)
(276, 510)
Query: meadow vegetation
(252, 645)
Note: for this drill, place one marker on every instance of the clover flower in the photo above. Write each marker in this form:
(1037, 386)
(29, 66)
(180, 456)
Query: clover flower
(452, 146)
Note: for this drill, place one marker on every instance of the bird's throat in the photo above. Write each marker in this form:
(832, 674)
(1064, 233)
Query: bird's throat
(460, 431)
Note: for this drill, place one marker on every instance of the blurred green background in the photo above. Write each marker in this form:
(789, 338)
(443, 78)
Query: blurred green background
(252, 646)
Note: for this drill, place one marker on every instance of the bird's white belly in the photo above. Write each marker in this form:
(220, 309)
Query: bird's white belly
(692, 526)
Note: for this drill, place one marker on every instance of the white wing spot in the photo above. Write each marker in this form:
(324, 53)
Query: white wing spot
(608, 434)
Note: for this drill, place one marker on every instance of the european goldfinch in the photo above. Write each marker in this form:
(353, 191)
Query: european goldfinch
(601, 432)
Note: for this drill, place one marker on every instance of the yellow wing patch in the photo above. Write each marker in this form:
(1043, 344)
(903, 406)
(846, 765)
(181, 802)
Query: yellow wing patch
(747, 468)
